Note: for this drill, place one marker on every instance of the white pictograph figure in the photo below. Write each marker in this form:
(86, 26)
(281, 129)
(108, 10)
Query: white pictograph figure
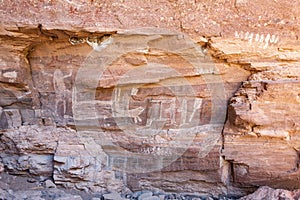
(123, 110)
(170, 118)
(58, 82)
(167, 110)
(134, 113)
(161, 110)
(183, 111)
(197, 105)
(61, 93)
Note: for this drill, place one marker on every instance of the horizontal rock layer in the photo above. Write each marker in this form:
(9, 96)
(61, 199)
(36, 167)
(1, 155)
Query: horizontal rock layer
(149, 118)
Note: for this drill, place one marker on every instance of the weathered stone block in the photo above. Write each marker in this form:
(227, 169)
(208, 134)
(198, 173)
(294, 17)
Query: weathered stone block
(10, 118)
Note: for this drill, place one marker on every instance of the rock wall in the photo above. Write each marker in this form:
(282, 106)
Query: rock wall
(226, 127)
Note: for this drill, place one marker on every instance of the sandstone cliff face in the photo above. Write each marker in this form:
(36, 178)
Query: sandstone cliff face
(224, 128)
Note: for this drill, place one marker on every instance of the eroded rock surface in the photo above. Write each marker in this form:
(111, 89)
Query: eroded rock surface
(99, 138)
(269, 193)
(263, 118)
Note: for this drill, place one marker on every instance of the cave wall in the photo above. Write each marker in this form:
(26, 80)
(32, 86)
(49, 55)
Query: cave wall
(253, 46)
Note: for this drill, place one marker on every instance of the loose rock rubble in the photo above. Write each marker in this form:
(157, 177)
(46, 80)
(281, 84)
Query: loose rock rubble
(268, 193)
(21, 188)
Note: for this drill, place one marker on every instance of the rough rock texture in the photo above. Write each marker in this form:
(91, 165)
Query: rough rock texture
(263, 118)
(269, 193)
(50, 132)
(17, 187)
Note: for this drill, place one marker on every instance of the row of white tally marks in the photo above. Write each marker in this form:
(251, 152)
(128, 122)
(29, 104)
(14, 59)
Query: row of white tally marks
(255, 37)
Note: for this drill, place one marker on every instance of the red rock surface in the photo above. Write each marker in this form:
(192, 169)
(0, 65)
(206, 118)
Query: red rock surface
(255, 49)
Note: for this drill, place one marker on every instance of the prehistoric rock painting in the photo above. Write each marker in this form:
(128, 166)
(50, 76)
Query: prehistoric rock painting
(62, 95)
(53, 78)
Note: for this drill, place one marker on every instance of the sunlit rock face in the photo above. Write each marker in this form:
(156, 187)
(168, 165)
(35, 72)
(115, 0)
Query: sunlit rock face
(105, 105)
